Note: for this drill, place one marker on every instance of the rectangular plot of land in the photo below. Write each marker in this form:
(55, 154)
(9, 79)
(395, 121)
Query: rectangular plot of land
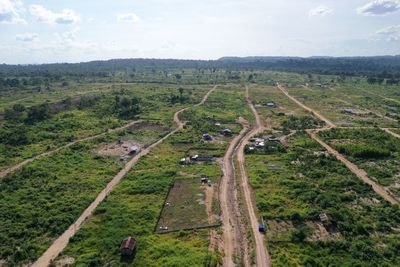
(188, 206)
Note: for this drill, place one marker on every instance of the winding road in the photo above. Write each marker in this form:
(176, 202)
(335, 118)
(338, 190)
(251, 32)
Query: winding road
(62, 241)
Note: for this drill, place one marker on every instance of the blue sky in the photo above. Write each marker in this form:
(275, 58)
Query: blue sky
(40, 31)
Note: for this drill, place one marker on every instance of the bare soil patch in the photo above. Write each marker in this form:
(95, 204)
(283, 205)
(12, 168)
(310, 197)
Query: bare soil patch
(322, 233)
(118, 149)
(65, 261)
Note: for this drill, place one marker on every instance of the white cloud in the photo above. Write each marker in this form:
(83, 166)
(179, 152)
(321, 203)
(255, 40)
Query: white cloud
(320, 11)
(391, 33)
(27, 37)
(128, 17)
(42, 14)
(379, 7)
(10, 12)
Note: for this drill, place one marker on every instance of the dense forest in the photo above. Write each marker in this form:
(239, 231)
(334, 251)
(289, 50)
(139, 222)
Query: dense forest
(386, 67)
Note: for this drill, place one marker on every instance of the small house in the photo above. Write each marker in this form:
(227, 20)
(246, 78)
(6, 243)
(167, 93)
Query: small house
(260, 145)
(182, 161)
(204, 180)
(218, 124)
(202, 158)
(348, 110)
(273, 138)
(134, 149)
(257, 140)
(270, 104)
(128, 246)
(227, 132)
(209, 182)
(325, 218)
(207, 137)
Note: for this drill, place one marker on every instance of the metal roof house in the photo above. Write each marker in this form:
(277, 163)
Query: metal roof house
(227, 132)
(128, 246)
(202, 158)
(207, 137)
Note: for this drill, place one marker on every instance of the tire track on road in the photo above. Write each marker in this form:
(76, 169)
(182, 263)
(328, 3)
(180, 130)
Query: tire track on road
(262, 255)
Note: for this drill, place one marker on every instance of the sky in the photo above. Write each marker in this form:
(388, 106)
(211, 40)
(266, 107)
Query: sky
(45, 31)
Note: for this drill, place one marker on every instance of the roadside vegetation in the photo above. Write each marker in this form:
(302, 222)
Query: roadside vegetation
(41, 200)
(135, 205)
(373, 150)
(28, 131)
(295, 186)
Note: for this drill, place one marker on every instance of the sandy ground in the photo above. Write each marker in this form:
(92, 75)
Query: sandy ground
(229, 205)
(62, 241)
(118, 149)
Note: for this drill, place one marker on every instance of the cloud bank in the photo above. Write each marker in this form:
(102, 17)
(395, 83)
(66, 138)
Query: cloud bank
(42, 14)
(379, 7)
(320, 11)
(10, 12)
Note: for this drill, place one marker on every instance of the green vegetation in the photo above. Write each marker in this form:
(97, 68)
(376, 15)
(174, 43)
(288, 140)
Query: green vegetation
(374, 150)
(301, 123)
(27, 132)
(45, 107)
(40, 201)
(309, 183)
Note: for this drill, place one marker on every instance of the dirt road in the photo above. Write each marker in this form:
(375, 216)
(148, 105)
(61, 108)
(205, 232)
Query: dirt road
(354, 169)
(391, 132)
(62, 241)
(351, 166)
(262, 256)
(229, 205)
(18, 166)
(329, 123)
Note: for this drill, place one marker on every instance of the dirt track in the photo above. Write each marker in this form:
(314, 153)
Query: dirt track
(351, 166)
(62, 241)
(391, 132)
(229, 205)
(329, 123)
(354, 169)
(51, 152)
(262, 256)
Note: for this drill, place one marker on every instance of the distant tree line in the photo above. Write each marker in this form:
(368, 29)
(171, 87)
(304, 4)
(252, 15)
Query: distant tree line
(387, 67)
